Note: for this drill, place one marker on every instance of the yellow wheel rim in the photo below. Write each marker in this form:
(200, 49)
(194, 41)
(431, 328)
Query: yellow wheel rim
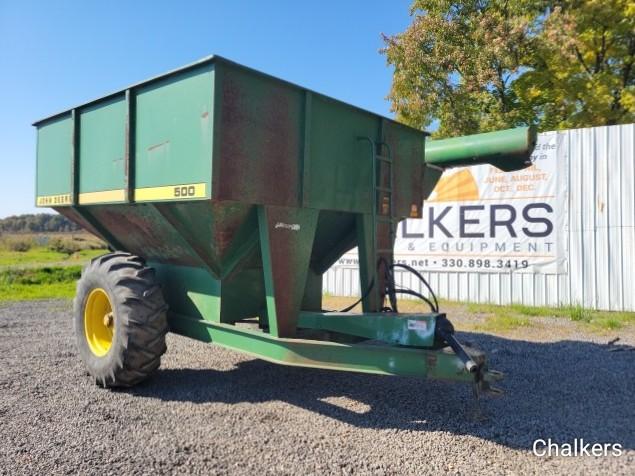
(99, 322)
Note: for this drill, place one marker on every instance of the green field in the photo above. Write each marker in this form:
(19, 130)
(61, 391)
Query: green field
(39, 256)
(38, 283)
(44, 266)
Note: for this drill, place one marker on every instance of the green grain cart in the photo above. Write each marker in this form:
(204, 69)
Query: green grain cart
(225, 194)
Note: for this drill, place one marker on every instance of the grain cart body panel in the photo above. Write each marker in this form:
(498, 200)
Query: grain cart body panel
(241, 190)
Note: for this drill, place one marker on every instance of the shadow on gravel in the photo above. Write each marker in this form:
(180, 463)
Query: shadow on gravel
(562, 391)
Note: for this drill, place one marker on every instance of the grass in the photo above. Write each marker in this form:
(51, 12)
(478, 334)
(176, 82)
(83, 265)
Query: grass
(40, 255)
(59, 249)
(602, 320)
(44, 266)
(495, 318)
(503, 322)
(611, 320)
(40, 283)
(579, 314)
(520, 309)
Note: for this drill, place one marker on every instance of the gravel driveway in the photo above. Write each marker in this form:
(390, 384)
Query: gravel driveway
(210, 411)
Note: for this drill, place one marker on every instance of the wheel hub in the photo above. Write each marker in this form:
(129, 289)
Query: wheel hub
(109, 320)
(99, 322)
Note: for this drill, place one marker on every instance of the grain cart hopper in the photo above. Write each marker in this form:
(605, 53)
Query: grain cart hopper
(225, 194)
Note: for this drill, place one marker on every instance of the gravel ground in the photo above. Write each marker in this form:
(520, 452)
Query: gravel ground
(210, 411)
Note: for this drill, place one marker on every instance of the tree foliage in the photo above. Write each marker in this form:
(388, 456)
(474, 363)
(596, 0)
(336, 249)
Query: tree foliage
(480, 65)
(37, 223)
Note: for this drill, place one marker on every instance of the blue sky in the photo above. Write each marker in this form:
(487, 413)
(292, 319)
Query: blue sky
(56, 54)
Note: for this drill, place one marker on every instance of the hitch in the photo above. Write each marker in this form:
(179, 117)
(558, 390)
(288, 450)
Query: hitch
(445, 332)
(483, 384)
(473, 359)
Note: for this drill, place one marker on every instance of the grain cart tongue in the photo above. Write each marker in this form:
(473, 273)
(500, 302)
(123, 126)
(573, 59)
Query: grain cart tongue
(226, 194)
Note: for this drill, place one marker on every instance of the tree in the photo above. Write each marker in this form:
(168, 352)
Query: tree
(480, 65)
(38, 223)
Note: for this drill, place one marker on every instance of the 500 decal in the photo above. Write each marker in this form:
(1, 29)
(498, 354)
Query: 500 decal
(185, 191)
(171, 192)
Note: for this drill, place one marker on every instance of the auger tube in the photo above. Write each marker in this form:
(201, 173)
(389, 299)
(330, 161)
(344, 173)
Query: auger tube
(507, 150)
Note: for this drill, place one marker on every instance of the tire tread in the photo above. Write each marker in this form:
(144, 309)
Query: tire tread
(144, 317)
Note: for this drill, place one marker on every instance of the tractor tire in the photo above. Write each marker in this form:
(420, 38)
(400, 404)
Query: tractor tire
(120, 320)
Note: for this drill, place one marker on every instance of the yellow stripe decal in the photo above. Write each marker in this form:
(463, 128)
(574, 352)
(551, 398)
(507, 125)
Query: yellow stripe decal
(169, 192)
(106, 196)
(186, 191)
(53, 200)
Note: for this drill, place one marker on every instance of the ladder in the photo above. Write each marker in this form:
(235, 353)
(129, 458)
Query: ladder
(382, 210)
(383, 206)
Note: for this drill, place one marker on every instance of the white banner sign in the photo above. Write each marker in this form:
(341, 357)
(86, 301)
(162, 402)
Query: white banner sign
(480, 219)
